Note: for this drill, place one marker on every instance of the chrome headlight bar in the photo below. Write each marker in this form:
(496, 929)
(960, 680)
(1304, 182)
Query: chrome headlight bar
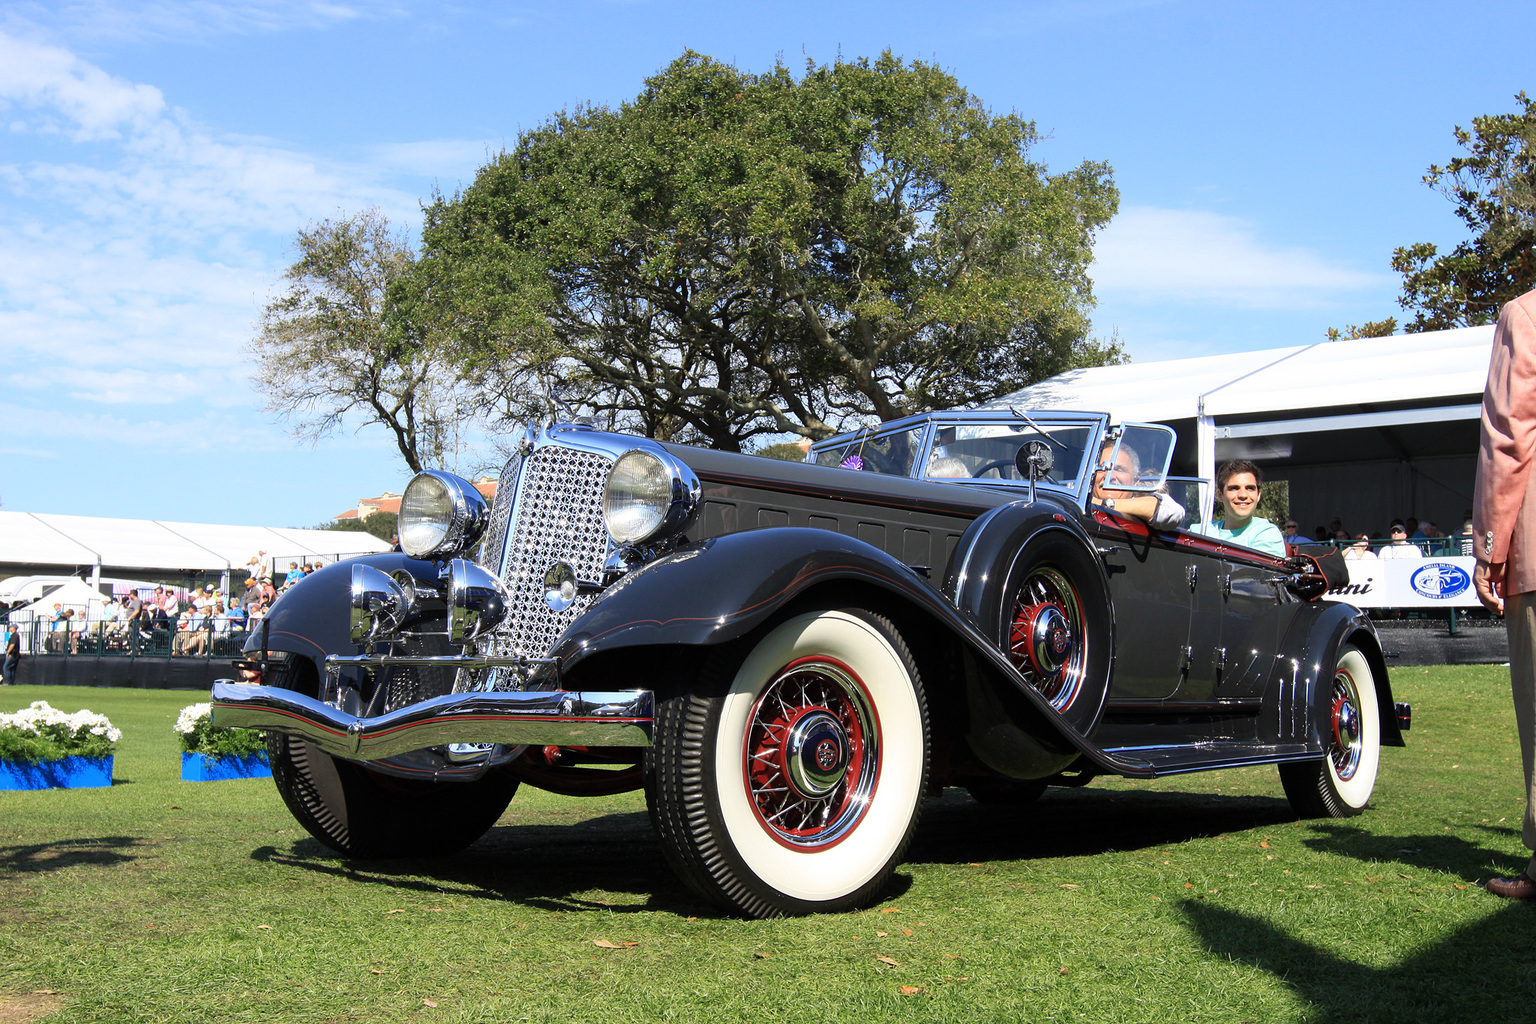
(382, 604)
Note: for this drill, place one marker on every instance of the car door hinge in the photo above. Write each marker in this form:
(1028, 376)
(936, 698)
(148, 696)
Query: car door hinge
(1192, 574)
(1220, 654)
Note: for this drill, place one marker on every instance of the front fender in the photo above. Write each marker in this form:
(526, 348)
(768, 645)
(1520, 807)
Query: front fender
(312, 618)
(722, 588)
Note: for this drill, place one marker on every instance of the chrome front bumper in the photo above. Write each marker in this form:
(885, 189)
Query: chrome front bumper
(621, 718)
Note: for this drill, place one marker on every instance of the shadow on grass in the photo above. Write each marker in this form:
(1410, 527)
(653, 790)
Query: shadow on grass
(1444, 851)
(551, 867)
(1481, 972)
(617, 856)
(1082, 822)
(105, 851)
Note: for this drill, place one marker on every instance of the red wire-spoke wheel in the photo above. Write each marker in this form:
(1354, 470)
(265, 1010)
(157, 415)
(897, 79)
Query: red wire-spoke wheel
(787, 776)
(812, 753)
(1045, 636)
(1050, 605)
(1340, 784)
(1345, 718)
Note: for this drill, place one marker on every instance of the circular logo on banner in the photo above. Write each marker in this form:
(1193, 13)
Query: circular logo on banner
(1439, 581)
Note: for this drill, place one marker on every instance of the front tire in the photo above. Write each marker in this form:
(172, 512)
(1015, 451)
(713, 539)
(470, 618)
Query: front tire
(1340, 785)
(369, 815)
(789, 777)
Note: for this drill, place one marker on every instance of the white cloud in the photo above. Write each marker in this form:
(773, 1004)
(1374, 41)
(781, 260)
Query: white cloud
(193, 19)
(1168, 256)
(51, 81)
(137, 247)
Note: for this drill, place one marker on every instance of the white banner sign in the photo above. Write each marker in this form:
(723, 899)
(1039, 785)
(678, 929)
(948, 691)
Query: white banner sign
(1402, 583)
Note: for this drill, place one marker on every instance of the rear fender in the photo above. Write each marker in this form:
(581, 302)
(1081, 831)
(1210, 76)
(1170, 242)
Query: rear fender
(1334, 625)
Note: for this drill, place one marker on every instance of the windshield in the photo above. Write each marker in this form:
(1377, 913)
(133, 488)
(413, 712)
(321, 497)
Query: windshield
(892, 452)
(986, 451)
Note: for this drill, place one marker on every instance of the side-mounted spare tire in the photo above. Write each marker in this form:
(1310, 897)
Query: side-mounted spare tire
(1056, 625)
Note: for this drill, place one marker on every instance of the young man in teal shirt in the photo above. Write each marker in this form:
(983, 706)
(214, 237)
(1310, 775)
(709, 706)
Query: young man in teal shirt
(1238, 483)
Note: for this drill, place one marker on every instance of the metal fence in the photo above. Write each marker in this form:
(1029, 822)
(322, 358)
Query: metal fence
(117, 639)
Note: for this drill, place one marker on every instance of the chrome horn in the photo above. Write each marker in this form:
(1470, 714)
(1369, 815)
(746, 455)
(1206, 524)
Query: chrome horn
(380, 605)
(477, 601)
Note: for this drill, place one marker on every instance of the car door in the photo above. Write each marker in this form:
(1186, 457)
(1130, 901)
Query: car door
(1151, 579)
(1239, 615)
(1257, 608)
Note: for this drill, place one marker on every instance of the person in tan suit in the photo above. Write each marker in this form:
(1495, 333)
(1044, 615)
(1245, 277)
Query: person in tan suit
(1504, 525)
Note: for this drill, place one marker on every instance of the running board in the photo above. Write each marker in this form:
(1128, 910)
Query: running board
(1176, 759)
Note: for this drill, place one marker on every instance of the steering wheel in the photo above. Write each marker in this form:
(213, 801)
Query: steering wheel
(994, 464)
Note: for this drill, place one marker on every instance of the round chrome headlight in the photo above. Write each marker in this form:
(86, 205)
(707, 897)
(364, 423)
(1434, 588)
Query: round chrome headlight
(440, 515)
(647, 495)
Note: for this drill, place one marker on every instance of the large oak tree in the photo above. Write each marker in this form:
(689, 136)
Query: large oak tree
(1494, 188)
(731, 255)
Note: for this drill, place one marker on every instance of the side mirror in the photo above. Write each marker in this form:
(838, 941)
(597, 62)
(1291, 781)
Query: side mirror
(1034, 460)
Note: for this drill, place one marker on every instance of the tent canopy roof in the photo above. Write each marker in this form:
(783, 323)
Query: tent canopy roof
(1431, 367)
(28, 538)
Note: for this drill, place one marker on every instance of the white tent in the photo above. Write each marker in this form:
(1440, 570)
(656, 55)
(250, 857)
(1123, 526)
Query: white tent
(70, 594)
(1362, 428)
(143, 545)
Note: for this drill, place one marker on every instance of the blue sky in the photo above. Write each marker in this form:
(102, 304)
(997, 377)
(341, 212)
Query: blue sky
(157, 158)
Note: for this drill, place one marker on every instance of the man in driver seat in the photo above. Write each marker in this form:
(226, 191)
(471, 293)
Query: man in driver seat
(1156, 509)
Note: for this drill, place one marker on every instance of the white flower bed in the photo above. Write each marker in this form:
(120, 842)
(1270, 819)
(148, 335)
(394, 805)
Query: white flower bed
(42, 733)
(38, 715)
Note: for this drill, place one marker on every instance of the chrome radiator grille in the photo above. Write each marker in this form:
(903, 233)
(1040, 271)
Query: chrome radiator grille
(555, 516)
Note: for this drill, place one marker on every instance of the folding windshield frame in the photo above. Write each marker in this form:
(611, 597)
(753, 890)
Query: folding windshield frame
(1097, 424)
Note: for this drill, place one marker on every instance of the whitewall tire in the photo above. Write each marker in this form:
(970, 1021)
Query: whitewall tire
(1341, 784)
(789, 777)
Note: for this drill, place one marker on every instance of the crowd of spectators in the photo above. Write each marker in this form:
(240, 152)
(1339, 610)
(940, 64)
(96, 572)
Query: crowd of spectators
(1406, 538)
(184, 622)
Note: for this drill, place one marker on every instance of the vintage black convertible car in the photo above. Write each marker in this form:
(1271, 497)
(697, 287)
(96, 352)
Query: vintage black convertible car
(788, 657)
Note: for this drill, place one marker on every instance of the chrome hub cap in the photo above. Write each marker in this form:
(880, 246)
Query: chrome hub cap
(1347, 727)
(816, 754)
(812, 754)
(1045, 636)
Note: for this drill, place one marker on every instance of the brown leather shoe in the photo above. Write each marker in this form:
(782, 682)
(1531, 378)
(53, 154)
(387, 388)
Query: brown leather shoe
(1521, 887)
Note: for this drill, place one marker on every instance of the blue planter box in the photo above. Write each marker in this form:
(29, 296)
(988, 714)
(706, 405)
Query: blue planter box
(207, 768)
(67, 773)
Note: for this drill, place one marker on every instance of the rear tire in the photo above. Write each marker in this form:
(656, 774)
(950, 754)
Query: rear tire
(369, 815)
(1004, 792)
(788, 778)
(1340, 785)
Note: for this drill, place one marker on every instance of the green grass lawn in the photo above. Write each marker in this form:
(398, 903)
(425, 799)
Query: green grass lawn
(1198, 898)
